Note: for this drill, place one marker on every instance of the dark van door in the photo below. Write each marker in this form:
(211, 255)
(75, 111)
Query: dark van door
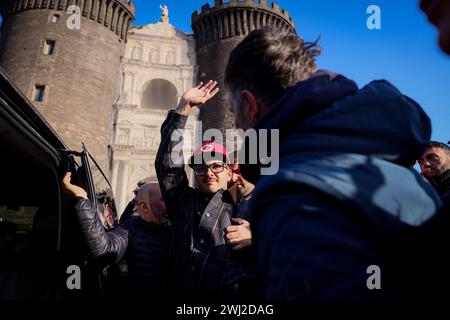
(40, 240)
(31, 201)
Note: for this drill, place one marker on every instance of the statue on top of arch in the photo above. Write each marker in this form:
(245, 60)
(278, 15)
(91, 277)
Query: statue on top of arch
(164, 14)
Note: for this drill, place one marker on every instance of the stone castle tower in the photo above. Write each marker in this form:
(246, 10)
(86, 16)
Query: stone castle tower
(71, 72)
(217, 31)
(110, 85)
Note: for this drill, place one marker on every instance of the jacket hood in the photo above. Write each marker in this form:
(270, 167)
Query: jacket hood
(327, 113)
(354, 145)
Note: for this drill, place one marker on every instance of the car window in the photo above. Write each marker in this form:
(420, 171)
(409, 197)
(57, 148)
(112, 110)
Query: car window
(104, 195)
(28, 236)
(20, 216)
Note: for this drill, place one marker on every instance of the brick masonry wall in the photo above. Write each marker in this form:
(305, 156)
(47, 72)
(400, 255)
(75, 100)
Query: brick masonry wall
(217, 31)
(212, 60)
(81, 77)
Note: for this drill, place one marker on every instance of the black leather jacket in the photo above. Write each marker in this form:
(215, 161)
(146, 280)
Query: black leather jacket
(442, 185)
(203, 266)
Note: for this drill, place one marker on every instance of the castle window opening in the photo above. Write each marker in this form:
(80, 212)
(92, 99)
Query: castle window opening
(39, 91)
(55, 18)
(49, 47)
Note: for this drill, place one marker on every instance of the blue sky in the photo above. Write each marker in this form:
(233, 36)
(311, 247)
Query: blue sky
(404, 51)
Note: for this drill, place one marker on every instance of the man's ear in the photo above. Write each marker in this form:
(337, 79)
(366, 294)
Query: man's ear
(253, 105)
(142, 206)
(229, 174)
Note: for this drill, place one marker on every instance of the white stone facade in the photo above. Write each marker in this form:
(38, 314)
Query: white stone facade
(159, 64)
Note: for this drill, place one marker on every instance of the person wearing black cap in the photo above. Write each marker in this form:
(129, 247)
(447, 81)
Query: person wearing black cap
(201, 261)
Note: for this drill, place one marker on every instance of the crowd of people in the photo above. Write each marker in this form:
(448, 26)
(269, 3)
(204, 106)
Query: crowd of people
(346, 196)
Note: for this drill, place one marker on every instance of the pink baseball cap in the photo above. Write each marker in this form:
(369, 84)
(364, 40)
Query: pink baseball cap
(209, 150)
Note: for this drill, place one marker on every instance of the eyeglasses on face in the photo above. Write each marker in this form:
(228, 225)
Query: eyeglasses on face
(202, 169)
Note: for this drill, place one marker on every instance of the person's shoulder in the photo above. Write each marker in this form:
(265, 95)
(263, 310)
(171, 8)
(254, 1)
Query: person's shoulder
(288, 176)
(130, 223)
(287, 185)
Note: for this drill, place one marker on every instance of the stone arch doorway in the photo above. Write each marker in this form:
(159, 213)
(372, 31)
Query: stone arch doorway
(159, 94)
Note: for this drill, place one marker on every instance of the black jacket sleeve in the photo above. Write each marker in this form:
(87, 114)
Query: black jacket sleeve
(111, 245)
(169, 163)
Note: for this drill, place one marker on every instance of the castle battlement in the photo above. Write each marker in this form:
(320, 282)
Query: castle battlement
(113, 14)
(263, 5)
(217, 30)
(236, 18)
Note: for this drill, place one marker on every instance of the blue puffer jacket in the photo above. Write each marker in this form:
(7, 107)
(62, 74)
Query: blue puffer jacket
(343, 188)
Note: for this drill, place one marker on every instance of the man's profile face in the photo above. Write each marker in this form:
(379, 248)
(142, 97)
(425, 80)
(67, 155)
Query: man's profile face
(108, 216)
(211, 182)
(240, 115)
(244, 187)
(151, 202)
(434, 162)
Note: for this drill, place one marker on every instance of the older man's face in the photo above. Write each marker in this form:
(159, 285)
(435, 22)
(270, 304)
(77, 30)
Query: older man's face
(438, 13)
(434, 162)
(108, 216)
(151, 202)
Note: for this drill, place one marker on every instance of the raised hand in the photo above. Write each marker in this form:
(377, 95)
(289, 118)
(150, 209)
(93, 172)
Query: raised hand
(72, 190)
(198, 95)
